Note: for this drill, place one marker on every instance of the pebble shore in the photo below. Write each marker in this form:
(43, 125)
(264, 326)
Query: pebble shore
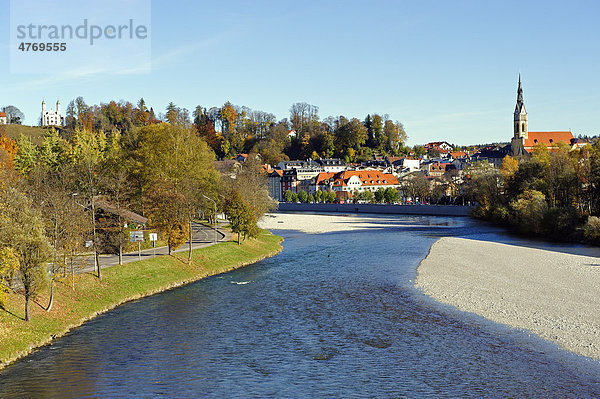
(552, 294)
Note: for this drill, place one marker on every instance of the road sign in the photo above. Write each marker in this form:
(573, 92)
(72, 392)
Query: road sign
(136, 236)
(153, 237)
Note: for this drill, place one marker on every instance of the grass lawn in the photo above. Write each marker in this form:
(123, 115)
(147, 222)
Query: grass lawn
(36, 133)
(119, 284)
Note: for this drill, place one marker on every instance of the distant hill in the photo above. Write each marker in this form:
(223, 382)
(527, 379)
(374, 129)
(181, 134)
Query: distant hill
(34, 132)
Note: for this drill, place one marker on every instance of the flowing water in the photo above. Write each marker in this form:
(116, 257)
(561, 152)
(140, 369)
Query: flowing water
(334, 315)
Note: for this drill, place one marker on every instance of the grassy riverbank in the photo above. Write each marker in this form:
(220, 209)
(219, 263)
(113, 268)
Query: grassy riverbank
(119, 284)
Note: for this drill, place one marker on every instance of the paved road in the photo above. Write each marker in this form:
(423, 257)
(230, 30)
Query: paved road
(203, 236)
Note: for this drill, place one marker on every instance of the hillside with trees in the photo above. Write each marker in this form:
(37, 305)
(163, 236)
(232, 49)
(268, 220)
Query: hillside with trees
(50, 191)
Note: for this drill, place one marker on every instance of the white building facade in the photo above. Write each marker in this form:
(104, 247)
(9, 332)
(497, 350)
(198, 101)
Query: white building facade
(50, 117)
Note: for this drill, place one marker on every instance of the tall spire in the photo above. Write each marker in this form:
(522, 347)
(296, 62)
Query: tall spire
(520, 108)
(520, 115)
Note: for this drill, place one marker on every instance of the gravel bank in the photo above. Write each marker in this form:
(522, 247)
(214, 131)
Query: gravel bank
(552, 294)
(316, 224)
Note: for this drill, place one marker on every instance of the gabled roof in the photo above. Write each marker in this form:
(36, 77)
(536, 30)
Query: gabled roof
(548, 138)
(321, 177)
(458, 154)
(124, 213)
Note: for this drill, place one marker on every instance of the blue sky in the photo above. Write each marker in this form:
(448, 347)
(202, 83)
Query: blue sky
(446, 69)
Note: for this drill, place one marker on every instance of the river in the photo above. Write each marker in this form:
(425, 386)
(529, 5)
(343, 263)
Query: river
(333, 315)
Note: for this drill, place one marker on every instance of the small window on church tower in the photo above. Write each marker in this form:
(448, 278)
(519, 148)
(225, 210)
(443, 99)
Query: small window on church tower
(522, 127)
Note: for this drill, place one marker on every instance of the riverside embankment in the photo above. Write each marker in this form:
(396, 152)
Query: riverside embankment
(91, 297)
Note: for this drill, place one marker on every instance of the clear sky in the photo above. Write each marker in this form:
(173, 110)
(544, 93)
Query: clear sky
(447, 69)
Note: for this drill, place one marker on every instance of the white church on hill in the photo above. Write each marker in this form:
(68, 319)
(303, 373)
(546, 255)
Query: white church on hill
(51, 118)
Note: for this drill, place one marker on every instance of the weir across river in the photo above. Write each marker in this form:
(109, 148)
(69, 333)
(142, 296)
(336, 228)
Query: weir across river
(425, 210)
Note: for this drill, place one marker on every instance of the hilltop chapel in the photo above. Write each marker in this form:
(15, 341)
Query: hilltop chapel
(523, 140)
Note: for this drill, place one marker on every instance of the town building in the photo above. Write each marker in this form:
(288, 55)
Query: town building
(275, 188)
(347, 183)
(50, 117)
(523, 140)
(332, 164)
(441, 146)
(3, 119)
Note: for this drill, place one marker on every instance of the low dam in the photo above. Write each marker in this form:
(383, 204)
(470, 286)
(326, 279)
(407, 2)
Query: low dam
(426, 210)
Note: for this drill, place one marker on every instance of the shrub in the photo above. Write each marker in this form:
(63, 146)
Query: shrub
(529, 209)
(591, 230)
(559, 223)
(499, 214)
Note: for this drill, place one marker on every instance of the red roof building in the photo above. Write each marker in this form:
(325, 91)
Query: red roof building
(548, 138)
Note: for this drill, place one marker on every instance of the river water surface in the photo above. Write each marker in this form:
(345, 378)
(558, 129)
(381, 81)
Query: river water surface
(334, 315)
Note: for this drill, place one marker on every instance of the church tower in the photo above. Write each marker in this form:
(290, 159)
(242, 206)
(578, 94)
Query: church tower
(520, 116)
(520, 130)
(43, 113)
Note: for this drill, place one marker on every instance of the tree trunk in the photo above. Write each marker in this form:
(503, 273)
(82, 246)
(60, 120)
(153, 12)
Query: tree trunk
(97, 257)
(51, 300)
(190, 246)
(120, 254)
(169, 249)
(73, 271)
(26, 306)
(239, 243)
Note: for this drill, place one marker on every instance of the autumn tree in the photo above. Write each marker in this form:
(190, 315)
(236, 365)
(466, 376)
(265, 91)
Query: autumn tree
(22, 233)
(177, 170)
(240, 215)
(87, 155)
(66, 223)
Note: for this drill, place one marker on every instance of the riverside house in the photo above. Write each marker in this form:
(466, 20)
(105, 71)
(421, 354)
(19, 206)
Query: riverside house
(347, 183)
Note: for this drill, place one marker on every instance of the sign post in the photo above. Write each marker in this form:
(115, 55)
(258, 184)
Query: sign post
(153, 237)
(137, 236)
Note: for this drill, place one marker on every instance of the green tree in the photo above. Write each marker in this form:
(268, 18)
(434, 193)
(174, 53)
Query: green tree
(310, 198)
(294, 197)
(379, 195)
(377, 127)
(329, 196)
(287, 196)
(391, 195)
(241, 217)
(27, 154)
(302, 196)
(318, 196)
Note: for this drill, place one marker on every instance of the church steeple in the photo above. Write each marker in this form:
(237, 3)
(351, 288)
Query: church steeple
(520, 116)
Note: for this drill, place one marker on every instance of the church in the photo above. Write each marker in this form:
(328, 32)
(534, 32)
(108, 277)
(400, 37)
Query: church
(523, 140)
(50, 117)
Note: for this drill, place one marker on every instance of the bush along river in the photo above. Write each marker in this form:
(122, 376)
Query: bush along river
(333, 315)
